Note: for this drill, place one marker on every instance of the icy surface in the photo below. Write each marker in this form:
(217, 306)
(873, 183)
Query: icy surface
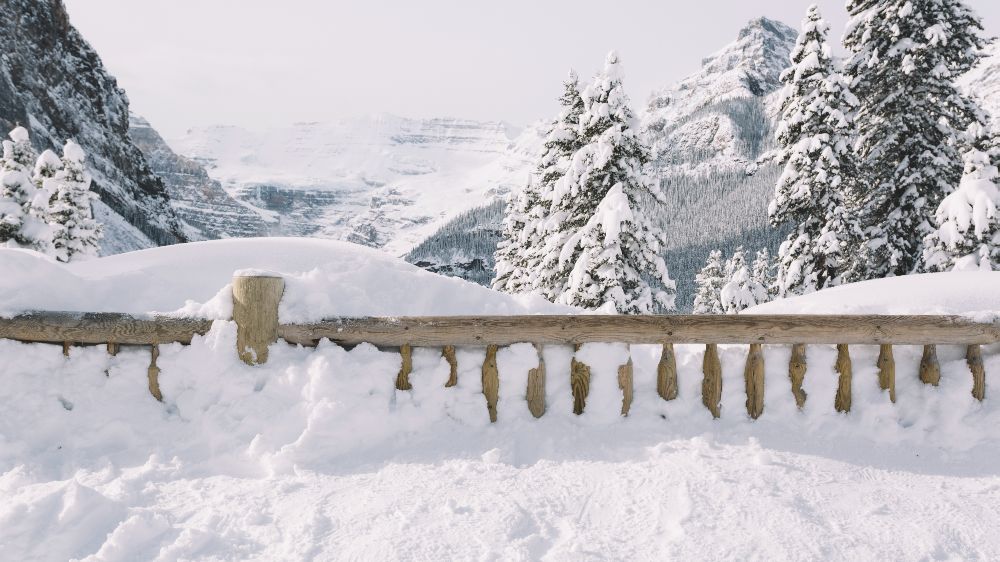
(316, 456)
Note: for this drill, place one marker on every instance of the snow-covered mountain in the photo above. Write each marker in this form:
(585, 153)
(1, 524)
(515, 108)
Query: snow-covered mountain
(53, 83)
(198, 200)
(983, 82)
(382, 181)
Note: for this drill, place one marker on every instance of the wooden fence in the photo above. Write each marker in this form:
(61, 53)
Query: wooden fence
(255, 311)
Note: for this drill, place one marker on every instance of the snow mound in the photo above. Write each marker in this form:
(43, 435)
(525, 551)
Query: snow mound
(975, 294)
(323, 278)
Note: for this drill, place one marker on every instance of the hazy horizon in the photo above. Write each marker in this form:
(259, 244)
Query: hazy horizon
(192, 63)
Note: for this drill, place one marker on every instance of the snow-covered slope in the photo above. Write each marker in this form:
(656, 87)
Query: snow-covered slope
(382, 181)
(324, 278)
(53, 83)
(316, 456)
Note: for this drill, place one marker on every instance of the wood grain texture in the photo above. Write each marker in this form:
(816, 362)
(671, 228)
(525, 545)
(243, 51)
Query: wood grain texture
(797, 373)
(711, 384)
(666, 373)
(66, 345)
(579, 380)
(930, 369)
(405, 368)
(974, 358)
(491, 381)
(704, 328)
(626, 385)
(753, 376)
(842, 401)
(535, 393)
(887, 371)
(113, 348)
(100, 327)
(255, 311)
(153, 373)
(448, 352)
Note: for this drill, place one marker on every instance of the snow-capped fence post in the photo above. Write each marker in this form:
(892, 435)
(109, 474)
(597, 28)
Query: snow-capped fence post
(255, 311)
(842, 401)
(666, 373)
(974, 358)
(887, 371)
(711, 385)
(753, 376)
(491, 381)
(930, 370)
(797, 373)
(536, 386)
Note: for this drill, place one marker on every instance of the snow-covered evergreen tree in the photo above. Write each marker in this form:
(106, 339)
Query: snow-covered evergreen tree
(601, 248)
(19, 226)
(816, 185)
(904, 58)
(762, 272)
(520, 248)
(742, 289)
(75, 233)
(709, 282)
(968, 225)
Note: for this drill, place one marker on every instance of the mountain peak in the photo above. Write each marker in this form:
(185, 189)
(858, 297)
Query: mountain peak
(767, 26)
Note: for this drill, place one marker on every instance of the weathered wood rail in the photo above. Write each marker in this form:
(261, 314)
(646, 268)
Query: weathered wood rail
(255, 311)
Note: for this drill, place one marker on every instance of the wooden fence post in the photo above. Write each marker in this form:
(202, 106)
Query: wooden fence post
(255, 310)
(625, 384)
(711, 385)
(579, 380)
(887, 371)
(405, 367)
(842, 402)
(797, 373)
(449, 355)
(974, 358)
(491, 381)
(930, 369)
(666, 373)
(753, 376)
(153, 373)
(535, 394)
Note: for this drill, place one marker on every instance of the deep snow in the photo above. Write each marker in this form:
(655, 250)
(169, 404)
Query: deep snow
(315, 455)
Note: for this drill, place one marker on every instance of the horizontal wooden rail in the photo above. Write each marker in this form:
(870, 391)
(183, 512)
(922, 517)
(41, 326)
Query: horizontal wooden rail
(702, 329)
(101, 327)
(95, 328)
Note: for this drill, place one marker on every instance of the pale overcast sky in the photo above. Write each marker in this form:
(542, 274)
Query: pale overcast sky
(257, 63)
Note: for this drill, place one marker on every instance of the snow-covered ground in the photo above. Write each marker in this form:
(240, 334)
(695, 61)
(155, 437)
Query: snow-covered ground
(315, 455)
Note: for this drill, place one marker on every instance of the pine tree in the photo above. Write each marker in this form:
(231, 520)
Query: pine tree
(18, 225)
(968, 225)
(75, 232)
(709, 282)
(762, 272)
(599, 239)
(905, 57)
(520, 248)
(814, 190)
(742, 289)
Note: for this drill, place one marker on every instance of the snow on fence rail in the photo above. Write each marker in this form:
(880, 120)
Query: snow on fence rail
(255, 311)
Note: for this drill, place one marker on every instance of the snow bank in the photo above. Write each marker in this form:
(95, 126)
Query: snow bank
(968, 293)
(323, 279)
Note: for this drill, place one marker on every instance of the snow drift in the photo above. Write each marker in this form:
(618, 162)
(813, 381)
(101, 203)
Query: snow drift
(315, 455)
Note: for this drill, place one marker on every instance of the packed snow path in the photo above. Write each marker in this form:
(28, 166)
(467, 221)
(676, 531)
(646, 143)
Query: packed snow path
(316, 456)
